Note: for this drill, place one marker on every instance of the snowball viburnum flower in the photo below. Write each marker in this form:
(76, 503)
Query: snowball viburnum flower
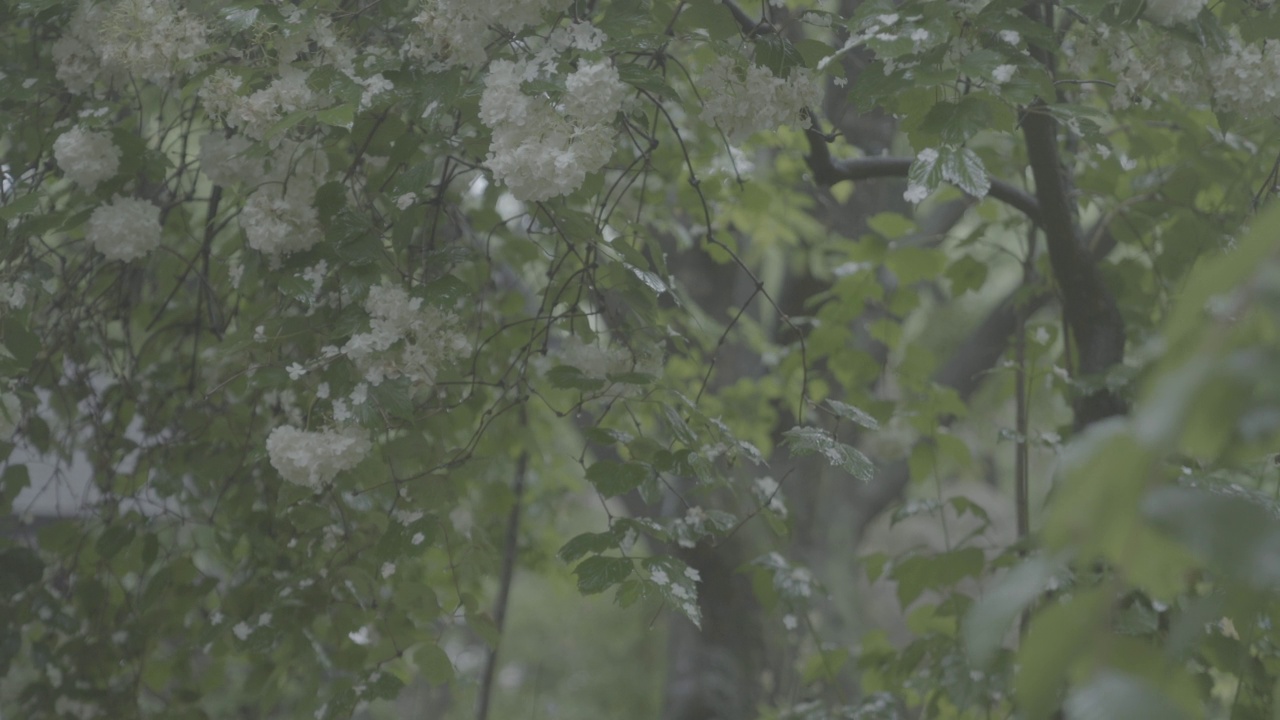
(1170, 12)
(86, 156)
(280, 222)
(406, 338)
(313, 458)
(540, 150)
(125, 229)
(744, 98)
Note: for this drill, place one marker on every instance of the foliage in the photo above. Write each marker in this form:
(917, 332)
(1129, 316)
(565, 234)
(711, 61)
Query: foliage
(316, 319)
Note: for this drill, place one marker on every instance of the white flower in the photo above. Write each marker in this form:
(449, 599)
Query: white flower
(373, 86)
(1010, 36)
(1003, 73)
(692, 574)
(242, 630)
(537, 152)
(361, 636)
(789, 621)
(406, 200)
(153, 39)
(1246, 79)
(742, 98)
(915, 194)
(388, 569)
(296, 371)
(417, 538)
(279, 220)
(226, 160)
(659, 577)
(406, 338)
(594, 93)
(125, 228)
(458, 31)
(314, 458)
(1171, 12)
(86, 156)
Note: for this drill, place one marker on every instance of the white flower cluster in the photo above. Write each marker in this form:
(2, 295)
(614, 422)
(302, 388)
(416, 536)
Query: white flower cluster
(86, 156)
(1172, 12)
(457, 31)
(314, 458)
(599, 361)
(225, 160)
(151, 39)
(279, 219)
(1247, 79)
(406, 338)
(541, 150)
(791, 582)
(124, 229)
(744, 98)
(255, 113)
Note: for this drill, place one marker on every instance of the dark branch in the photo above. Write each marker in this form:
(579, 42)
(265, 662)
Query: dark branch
(828, 171)
(1089, 307)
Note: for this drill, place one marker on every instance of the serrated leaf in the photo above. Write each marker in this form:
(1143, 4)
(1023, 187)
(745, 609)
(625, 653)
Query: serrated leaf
(597, 574)
(963, 168)
(811, 440)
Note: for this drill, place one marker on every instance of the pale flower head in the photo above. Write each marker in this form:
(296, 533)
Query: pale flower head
(86, 156)
(312, 459)
(124, 229)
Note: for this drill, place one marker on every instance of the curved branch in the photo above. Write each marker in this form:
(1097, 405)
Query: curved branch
(828, 171)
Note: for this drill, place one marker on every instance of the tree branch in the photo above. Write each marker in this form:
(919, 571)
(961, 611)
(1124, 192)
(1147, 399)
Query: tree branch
(828, 171)
(1089, 308)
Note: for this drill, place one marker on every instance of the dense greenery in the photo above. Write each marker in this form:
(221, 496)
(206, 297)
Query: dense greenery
(346, 345)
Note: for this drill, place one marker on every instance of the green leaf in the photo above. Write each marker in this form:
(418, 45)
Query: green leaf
(434, 664)
(20, 568)
(23, 344)
(989, 620)
(18, 206)
(649, 80)
(853, 414)
(588, 543)
(966, 273)
(963, 168)
(778, 54)
(611, 479)
(338, 115)
(571, 378)
(597, 574)
(1058, 636)
(919, 573)
(708, 16)
(811, 440)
